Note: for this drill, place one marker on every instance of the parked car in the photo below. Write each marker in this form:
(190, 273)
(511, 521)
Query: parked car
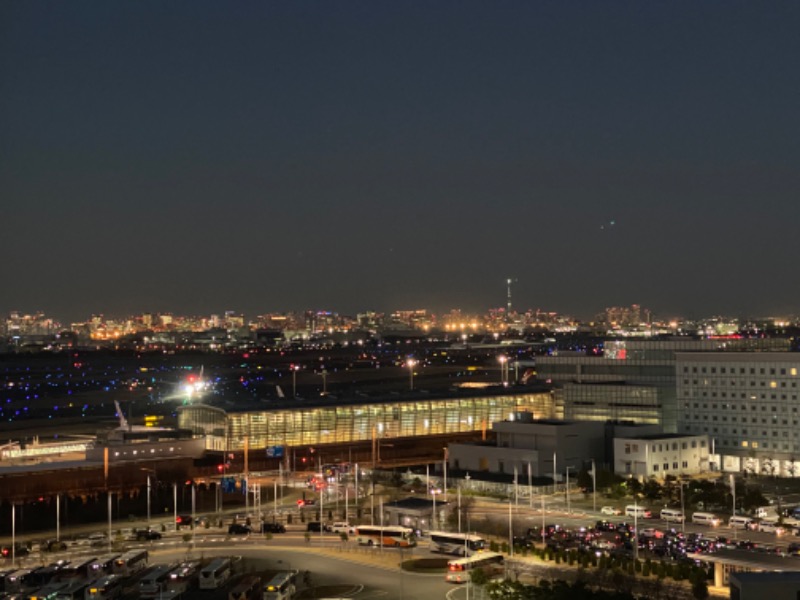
(341, 527)
(610, 510)
(239, 529)
(272, 528)
(314, 526)
(183, 521)
(148, 535)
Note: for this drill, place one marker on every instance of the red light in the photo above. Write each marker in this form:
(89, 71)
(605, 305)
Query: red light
(246, 355)
(188, 482)
(220, 468)
(301, 502)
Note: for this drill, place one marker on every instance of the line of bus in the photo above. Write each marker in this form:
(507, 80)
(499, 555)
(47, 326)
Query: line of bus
(458, 570)
(215, 574)
(131, 562)
(389, 536)
(108, 587)
(75, 589)
(103, 565)
(458, 544)
(183, 577)
(283, 586)
(248, 588)
(155, 582)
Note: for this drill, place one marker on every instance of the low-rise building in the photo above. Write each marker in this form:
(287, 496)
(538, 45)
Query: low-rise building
(662, 454)
(545, 446)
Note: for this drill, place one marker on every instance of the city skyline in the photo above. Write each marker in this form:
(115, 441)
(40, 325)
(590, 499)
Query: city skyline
(193, 155)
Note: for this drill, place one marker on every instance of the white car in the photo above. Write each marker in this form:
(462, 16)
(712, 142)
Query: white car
(769, 526)
(342, 527)
(610, 510)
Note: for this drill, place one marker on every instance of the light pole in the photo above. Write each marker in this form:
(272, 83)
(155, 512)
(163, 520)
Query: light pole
(294, 369)
(444, 464)
(635, 528)
(13, 534)
(594, 486)
(511, 527)
(58, 517)
(324, 374)
(569, 508)
(411, 363)
(683, 514)
(503, 360)
(149, 487)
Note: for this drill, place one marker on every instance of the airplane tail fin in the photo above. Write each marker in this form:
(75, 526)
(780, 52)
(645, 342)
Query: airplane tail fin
(123, 423)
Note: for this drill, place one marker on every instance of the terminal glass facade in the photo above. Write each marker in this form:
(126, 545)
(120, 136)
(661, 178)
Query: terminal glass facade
(355, 422)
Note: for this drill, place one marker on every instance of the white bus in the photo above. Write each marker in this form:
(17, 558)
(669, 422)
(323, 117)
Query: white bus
(48, 592)
(281, 587)
(459, 544)
(215, 574)
(392, 536)
(105, 588)
(77, 569)
(671, 515)
(75, 589)
(742, 523)
(15, 582)
(458, 570)
(634, 510)
(184, 576)
(130, 562)
(155, 582)
(248, 588)
(704, 518)
(103, 565)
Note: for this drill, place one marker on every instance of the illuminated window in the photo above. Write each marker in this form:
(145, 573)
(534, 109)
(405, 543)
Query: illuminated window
(745, 444)
(773, 384)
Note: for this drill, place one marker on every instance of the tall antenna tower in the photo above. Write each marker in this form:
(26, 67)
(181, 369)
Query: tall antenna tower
(508, 307)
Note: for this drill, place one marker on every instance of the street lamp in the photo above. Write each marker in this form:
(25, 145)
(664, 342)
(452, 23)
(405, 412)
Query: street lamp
(569, 509)
(594, 486)
(324, 374)
(683, 514)
(295, 369)
(503, 365)
(411, 363)
(148, 471)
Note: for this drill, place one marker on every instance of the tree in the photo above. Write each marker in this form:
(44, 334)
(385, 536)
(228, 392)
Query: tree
(478, 577)
(652, 490)
(699, 586)
(467, 508)
(585, 480)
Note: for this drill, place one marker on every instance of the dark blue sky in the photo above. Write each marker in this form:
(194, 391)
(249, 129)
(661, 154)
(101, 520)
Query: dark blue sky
(202, 156)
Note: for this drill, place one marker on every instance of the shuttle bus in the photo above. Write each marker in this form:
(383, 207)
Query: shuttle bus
(184, 576)
(130, 562)
(459, 544)
(154, 583)
(248, 588)
(78, 569)
(103, 565)
(108, 587)
(75, 589)
(281, 587)
(215, 574)
(458, 570)
(392, 536)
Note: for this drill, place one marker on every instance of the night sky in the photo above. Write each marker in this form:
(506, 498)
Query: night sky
(197, 157)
